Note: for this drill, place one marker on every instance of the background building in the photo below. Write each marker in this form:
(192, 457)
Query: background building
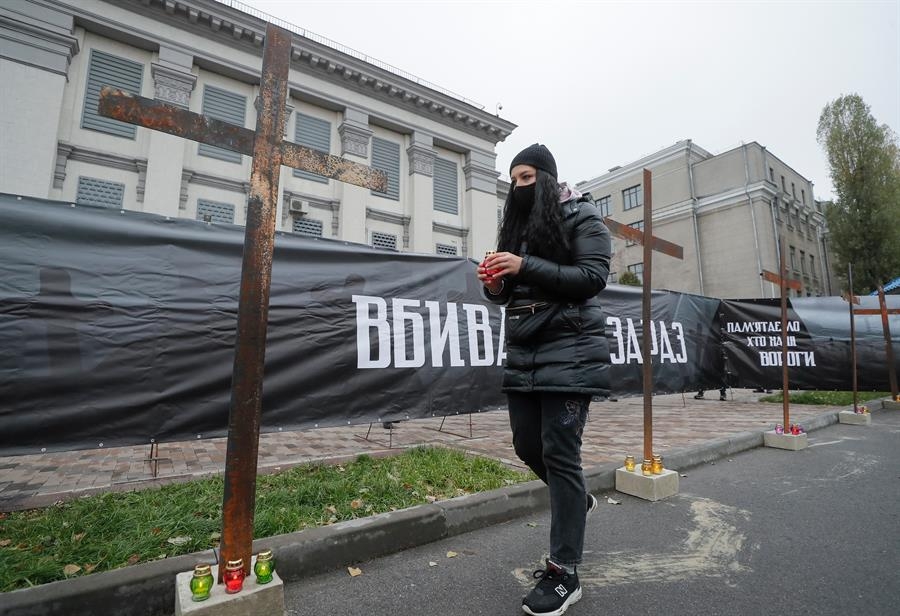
(437, 148)
(726, 211)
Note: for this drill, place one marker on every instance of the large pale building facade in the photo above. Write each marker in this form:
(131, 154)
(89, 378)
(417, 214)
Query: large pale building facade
(726, 211)
(437, 148)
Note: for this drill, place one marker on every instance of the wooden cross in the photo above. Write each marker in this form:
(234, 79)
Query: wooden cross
(852, 299)
(269, 152)
(650, 243)
(884, 311)
(784, 283)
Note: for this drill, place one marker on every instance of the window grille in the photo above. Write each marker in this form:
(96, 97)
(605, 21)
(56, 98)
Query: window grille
(213, 211)
(92, 191)
(227, 107)
(109, 70)
(446, 187)
(308, 226)
(384, 240)
(314, 134)
(386, 157)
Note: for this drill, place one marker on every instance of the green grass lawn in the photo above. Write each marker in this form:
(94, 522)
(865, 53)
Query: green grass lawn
(830, 398)
(112, 530)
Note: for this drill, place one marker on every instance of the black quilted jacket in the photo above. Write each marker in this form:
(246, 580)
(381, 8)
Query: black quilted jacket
(571, 353)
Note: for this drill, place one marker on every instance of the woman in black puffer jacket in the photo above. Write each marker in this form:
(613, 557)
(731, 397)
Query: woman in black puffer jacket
(552, 260)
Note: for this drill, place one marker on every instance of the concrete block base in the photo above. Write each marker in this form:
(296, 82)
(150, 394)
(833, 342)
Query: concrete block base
(855, 419)
(253, 599)
(648, 487)
(793, 442)
(890, 405)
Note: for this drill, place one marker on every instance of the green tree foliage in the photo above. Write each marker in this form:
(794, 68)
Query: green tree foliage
(630, 278)
(864, 220)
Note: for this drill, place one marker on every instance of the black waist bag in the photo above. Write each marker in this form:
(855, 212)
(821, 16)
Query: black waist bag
(523, 323)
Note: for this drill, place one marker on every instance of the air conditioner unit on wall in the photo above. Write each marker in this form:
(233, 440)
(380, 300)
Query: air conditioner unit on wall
(299, 207)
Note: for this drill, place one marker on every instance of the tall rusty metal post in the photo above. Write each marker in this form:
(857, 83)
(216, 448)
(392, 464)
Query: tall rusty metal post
(646, 326)
(888, 342)
(782, 271)
(852, 337)
(239, 500)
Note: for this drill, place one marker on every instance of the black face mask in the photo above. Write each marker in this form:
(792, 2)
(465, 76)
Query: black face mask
(523, 196)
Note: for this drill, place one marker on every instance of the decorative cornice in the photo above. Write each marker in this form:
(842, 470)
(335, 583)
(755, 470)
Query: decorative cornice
(440, 227)
(204, 179)
(234, 27)
(385, 216)
(481, 178)
(66, 152)
(172, 86)
(670, 153)
(36, 45)
(421, 159)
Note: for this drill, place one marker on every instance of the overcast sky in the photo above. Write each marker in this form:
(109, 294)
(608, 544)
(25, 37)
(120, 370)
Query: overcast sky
(605, 83)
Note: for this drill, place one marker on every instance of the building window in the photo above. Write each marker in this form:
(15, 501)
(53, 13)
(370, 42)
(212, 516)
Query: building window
(772, 174)
(213, 211)
(812, 267)
(793, 190)
(225, 106)
(307, 226)
(793, 258)
(633, 197)
(109, 70)
(603, 205)
(639, 225)
(386, 157)
(803, 261)
(445, 249)
(384, 240)
(315, 134)
(802, 196)
(613, 278)
(638, 270)
(92, 191)
(446, 186)
(783, 185)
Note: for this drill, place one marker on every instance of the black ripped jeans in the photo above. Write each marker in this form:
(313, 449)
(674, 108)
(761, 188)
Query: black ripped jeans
(547, 429)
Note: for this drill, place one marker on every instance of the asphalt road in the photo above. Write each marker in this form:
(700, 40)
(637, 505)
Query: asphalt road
(765, 532)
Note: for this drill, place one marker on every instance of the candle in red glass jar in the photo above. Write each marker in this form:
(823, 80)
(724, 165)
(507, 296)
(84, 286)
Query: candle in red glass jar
(234, 576)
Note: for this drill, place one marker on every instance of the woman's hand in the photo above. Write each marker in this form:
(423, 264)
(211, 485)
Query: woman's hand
(503, 264)
(492, 270)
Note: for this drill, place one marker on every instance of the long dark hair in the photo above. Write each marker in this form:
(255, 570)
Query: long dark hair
(539, 227)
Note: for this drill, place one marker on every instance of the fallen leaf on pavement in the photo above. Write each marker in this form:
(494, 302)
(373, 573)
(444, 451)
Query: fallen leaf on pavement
(331, 509)
(431, 563)
(89, 568)
(5, 543)
(134, 559)
(683, 475)
(430, 498)
(452, 554)
(71, 569)
(613, 501)
(532, 525)
(356, 503)
(178, 540)
(354, 571)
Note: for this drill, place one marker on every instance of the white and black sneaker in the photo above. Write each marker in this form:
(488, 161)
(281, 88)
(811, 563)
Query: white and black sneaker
(591, 504)
(555, 591)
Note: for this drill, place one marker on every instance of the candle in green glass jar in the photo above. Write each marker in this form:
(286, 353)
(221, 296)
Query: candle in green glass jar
(201, 583)
(264, 567)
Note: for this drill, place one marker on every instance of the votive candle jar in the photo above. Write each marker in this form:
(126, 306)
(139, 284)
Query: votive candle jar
(656, 465)
(647, 467)
(234, 576)
(264, 567)
(201, 583)
(629, 463)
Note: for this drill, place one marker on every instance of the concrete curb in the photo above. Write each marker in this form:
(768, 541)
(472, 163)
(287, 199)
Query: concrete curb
(147, 589)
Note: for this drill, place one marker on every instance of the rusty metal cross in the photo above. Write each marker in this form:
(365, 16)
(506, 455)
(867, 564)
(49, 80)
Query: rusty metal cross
(784, 284)
(269, 152)
(649, 243)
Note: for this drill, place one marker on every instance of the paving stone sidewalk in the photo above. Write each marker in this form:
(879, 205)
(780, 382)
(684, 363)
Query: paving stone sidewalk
(614, 430)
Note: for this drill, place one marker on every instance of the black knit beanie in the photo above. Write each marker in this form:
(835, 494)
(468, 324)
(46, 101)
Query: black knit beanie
(538, 156)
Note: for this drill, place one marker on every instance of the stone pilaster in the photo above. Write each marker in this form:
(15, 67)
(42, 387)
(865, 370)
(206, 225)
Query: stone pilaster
(421, 155)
